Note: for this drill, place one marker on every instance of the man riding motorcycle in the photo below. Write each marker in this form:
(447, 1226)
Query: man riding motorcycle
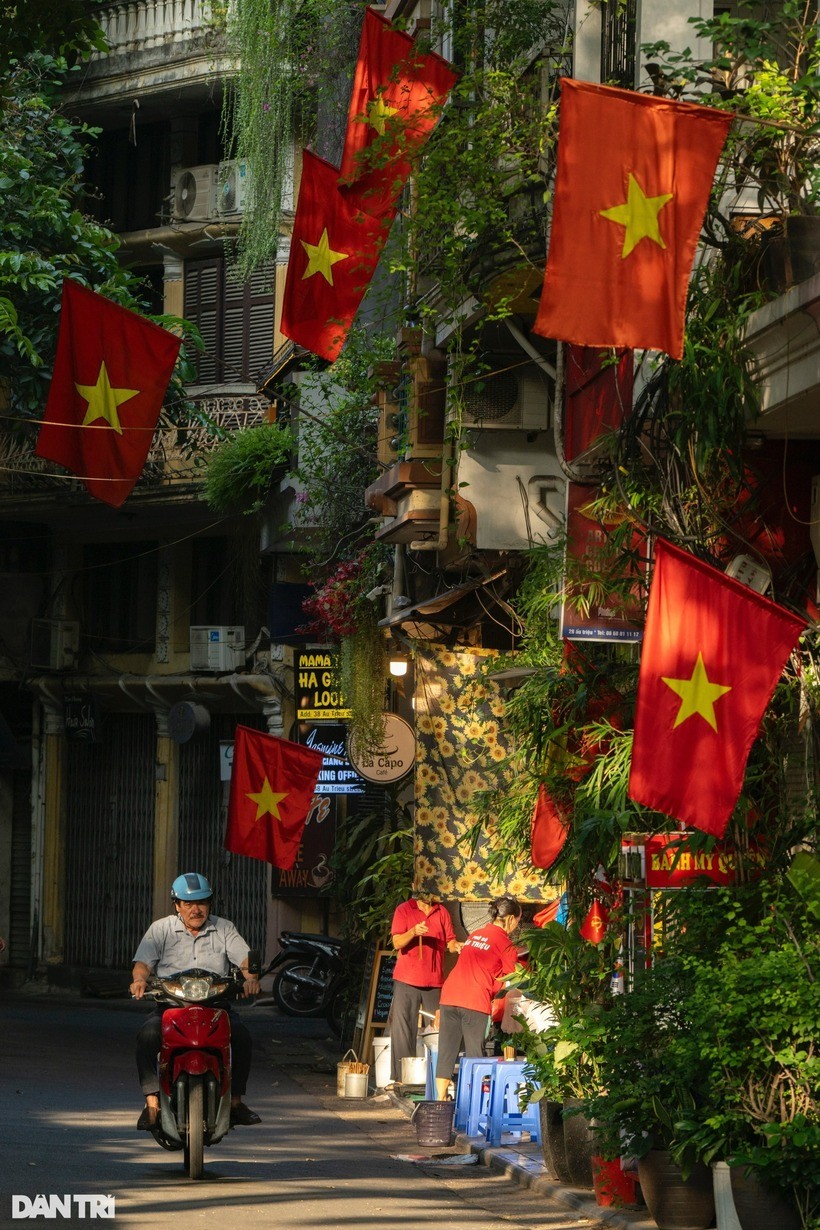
(191, 938)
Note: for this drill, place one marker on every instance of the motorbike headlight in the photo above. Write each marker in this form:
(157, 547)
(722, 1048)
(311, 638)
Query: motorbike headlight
(172, 988)
(195, 988)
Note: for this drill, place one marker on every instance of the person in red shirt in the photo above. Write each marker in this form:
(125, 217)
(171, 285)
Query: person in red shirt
(487, 956)
(421, 931)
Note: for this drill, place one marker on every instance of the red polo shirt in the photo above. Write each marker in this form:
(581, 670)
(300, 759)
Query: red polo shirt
(422, 966)
(486, 958)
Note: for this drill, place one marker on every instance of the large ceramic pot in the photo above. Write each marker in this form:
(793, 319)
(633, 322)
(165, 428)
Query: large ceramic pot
(674, 1202)
(552, 1140)
(760, 1208)
(579, 1142)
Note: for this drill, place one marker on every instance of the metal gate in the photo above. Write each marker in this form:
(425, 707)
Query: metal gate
(110, 790)
(239, 883)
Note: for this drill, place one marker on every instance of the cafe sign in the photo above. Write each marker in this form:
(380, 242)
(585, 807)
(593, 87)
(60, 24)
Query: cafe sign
(392, 759)
(318, 691)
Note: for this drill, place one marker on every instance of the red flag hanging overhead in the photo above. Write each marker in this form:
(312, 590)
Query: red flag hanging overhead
(549, 829)
(272, 787)
(633, 180)
(398, 92)
(111, 372)
(713, 651)
(334, 249)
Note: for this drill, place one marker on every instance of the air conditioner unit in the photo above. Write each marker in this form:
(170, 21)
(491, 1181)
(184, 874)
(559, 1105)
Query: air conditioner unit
(509, 399)
(55, 644)
(233, 187)
(194, 191)
(217, 649)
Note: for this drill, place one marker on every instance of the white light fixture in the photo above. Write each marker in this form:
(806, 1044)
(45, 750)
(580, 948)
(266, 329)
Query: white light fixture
(398, 666)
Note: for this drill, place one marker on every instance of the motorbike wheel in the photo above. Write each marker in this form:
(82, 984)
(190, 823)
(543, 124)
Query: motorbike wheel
(337, 1010)
(292, 997)
(194, 1147)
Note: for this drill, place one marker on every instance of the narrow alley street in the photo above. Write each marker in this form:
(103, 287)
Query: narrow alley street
(70, 1101)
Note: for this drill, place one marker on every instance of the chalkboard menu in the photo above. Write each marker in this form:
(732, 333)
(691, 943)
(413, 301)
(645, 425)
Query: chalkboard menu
(383, 993)
(375, 999)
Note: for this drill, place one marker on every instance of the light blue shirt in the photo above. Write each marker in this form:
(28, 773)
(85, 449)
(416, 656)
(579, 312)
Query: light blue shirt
(168, 947)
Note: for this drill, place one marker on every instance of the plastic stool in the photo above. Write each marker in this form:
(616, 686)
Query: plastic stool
(504, 1112)
(472, 1098)
(430, 1087)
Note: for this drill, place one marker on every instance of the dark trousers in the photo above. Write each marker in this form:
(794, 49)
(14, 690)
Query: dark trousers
(404, 1020)
(459, 1025)
(149, 1040)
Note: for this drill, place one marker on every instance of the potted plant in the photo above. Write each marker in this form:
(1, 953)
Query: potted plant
(648, 1068)
(754, 1009)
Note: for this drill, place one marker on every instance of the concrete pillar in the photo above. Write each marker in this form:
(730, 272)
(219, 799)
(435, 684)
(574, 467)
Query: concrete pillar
(587, 46)
(173, 286)
(272, 709)
(54, 753)
(166, 816)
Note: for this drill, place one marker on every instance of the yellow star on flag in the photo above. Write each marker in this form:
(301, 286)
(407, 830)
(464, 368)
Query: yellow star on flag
(698, 694)
(378, 113)
(321, 258)
(103, 400)
(267, 801)
(639, 214)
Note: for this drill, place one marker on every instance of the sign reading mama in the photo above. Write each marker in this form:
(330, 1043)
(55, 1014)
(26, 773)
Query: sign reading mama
(318, 693)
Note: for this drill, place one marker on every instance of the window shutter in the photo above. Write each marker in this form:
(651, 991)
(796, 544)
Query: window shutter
(203, 307)
(249, 314)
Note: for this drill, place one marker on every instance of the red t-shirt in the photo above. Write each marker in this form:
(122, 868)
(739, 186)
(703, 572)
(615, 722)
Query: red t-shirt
(487, 956)
(422, 967)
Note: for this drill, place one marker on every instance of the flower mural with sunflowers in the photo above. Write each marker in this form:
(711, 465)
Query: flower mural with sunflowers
(462, 749)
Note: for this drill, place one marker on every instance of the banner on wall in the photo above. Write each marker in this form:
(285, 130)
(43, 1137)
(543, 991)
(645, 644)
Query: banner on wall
(611, 619)
(460, 745)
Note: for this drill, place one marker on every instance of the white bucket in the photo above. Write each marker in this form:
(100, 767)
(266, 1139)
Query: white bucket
(414, 1070)
(381, 1062)
(356, 1085)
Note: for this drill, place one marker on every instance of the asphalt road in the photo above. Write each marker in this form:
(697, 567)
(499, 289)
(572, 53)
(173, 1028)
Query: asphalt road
(69, 1101)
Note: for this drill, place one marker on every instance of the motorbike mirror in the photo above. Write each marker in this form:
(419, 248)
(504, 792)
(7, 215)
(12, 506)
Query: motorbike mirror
(254, 961)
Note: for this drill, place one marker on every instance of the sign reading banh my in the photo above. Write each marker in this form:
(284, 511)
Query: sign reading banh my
(318, 692)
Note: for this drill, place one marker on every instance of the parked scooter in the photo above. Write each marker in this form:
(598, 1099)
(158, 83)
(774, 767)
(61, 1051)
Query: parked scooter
(195, 1060)
(308, 976)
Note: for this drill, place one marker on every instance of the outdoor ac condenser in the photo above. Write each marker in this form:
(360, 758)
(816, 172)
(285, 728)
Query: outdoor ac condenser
(194, 193)
(219, 648)
(518, 399)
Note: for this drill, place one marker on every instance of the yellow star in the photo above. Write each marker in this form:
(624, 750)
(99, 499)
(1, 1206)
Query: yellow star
(698, 694)
(378, 113)
(321, 258)
(639, 214)
(103, 400)
(267, 801)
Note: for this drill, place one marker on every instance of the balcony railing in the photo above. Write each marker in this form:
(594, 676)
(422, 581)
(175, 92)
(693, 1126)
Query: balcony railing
(176, 456)
(141, 26)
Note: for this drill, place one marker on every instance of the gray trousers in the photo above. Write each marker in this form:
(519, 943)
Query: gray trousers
(404, 1022)
(459, 1025)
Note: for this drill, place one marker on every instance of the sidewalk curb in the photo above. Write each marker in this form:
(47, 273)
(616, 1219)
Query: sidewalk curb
(532, 1175)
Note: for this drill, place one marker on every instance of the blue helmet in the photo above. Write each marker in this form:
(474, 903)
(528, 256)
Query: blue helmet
(191, 887)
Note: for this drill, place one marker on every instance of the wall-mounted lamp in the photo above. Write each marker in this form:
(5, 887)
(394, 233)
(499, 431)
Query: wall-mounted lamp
(397, 665)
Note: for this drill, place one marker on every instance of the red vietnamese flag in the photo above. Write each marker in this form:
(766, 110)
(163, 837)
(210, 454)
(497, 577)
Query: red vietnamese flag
(549, 830)
(111, 372)
(398, 92)
(713, 651)
(633, 180)
(334, 249)
(272, 787)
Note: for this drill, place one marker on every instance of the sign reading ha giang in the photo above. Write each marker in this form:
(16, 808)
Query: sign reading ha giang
(318, 691)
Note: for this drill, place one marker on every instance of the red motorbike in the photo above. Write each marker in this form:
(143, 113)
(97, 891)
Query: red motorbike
(194, 1061)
